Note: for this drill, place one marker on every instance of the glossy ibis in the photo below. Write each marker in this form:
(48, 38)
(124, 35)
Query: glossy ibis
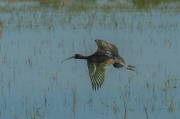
(106, 55)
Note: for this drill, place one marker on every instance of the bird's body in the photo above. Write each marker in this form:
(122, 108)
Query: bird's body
(106, 55)
(102, 56)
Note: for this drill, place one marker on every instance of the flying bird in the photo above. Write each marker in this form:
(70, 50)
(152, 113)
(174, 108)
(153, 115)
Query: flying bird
(106, 55)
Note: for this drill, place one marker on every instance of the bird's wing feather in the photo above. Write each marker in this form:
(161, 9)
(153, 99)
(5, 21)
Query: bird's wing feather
(103, 45)
(96, 73)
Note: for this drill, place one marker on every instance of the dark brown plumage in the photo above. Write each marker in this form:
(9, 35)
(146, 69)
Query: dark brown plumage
(106, 55)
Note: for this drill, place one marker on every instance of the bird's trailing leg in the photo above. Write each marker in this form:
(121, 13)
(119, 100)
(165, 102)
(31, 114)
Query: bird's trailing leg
(121, 63)
(130, 67)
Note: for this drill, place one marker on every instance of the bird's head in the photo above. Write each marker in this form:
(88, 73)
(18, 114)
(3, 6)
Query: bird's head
(76, 56)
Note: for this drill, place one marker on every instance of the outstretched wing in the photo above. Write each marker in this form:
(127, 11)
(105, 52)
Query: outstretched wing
(96, 73)
(103, 45)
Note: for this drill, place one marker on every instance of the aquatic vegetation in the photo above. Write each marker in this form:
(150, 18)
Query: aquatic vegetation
(36, 35)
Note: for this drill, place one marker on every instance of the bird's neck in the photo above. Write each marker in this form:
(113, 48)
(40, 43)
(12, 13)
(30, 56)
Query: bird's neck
(83, 57)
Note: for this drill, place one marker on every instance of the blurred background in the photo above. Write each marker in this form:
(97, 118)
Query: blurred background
(36, 35)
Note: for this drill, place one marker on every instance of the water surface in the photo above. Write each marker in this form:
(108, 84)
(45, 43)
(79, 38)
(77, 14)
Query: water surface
(35, 36)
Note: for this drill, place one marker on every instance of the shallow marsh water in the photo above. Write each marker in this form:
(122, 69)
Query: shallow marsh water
(35, 36)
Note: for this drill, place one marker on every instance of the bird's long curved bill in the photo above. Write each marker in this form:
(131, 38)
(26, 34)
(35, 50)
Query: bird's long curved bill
(67, 59)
